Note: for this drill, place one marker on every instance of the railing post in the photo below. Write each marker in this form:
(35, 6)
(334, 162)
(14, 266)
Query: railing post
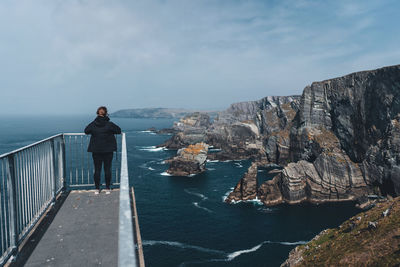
(53, 155)
(12, 193)
(64, 163)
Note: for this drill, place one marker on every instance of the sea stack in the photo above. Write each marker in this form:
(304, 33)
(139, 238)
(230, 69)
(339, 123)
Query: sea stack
(189, 161)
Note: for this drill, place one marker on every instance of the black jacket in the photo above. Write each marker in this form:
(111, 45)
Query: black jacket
(102, 131)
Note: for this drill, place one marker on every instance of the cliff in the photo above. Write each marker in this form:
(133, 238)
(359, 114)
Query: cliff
(345, 139)
(338, 141)
(370, 238)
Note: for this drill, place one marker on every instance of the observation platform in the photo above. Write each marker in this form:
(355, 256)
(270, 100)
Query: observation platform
(50, 214)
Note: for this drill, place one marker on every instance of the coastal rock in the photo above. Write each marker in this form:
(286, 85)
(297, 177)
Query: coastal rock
(190, 160)
(366, 239)
(246, 189)
(339, 141)
(269, 192)
(345, 139)
(189, 130)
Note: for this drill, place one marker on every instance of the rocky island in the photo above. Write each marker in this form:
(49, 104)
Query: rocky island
(338, 141)
(189, 161)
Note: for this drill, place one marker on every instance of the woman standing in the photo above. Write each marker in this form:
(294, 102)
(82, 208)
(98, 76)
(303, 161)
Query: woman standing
(102, 145)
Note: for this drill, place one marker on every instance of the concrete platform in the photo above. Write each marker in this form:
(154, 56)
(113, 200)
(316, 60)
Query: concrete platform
(84, 232)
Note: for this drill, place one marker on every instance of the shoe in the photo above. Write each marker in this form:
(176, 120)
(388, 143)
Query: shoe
(108, 191)
(97, 191)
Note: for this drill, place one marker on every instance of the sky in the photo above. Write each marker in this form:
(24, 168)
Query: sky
(69, 57)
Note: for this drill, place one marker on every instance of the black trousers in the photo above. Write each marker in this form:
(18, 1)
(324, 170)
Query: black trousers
(99, 159)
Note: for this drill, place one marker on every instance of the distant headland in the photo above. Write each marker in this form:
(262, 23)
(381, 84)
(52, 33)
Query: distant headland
(157, 113)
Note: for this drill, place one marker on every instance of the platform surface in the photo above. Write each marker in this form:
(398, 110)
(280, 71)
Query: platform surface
(84, 232)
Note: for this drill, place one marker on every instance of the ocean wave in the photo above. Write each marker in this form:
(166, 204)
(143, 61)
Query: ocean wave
(210, 169)
(152, 148)
(212, 161)
(231, 256)
(266, 210)
(235, 254)
(165, 174)
(203, 197)
(147, 131)
(255, 201)
(182, 245)
(227, 194)
(151, 169)
(196, 204)
(238, 165)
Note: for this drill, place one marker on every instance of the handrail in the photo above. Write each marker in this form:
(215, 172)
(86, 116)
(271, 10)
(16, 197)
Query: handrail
(32, 176)
(30, 145)
(126, 245)
(30, 179)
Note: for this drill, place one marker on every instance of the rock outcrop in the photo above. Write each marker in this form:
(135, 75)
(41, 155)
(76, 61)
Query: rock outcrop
(339, 141)
(370, 238)
(343, 142)
(246, 189)
(189, 161)
(240, 131)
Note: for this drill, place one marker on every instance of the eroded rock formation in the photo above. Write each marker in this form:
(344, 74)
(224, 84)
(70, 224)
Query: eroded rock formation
(190, 160)
(339, 141)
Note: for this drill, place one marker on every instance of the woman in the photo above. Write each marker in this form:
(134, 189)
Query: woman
(102, 145)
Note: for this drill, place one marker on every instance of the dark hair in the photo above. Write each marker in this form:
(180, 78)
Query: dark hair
(103, 108)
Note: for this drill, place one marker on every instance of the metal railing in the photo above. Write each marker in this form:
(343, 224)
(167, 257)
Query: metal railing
(31, 178)
(79, 164)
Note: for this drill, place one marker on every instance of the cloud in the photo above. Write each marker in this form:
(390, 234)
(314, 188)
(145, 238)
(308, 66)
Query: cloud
(201, 54)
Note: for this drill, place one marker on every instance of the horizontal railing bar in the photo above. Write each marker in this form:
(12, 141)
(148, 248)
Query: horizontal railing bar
(74, 134)
(28, 146)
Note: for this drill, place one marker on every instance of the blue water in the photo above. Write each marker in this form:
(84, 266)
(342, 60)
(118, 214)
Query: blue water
(184, 221)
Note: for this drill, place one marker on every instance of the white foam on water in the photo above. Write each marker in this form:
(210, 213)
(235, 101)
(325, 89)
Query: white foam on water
(225, 256)
(235, 254)
(182, 245)
(212, 161)
(227, 194)
(152, 148)
(255, 201)
(203, 197)
(238, 165)
(151, 169)
(196, 204)
(147, 131)
(165, 174)
(210, 169)
(266, 210)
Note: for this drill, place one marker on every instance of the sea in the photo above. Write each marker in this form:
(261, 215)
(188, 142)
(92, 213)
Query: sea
(184, 220)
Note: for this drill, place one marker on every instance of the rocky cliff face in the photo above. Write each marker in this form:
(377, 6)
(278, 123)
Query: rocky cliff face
(241, 130)
(339, 141)
(344, 138)
(343, 142)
